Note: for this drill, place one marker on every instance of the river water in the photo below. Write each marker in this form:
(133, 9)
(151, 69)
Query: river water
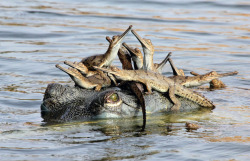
(203, 36)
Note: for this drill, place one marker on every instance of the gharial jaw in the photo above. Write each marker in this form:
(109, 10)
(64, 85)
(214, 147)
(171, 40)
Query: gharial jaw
(148, 49)
(114, 46)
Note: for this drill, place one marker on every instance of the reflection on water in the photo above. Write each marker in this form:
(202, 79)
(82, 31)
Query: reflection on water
(203, 35)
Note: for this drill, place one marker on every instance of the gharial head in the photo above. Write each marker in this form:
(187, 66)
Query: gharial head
(146, 43)
(64, 103)
(117, 40)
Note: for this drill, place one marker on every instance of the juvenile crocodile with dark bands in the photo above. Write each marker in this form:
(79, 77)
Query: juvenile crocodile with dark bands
(159, 83)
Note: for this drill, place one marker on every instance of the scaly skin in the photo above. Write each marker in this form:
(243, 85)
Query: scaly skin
(66, 103)
(148, 50)
(159, 83)
(107, 58)
(193, 81)
(96, 81)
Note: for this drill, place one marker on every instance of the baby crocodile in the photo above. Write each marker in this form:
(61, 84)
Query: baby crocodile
(96, 81)
(198, 80)
(159, 83)
(107, 58)
(193, 81)
(148, 50)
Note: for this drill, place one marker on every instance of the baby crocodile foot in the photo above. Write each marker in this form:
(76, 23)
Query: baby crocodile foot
(79, 79)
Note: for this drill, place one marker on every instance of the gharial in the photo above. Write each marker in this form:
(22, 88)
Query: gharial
(65, 103)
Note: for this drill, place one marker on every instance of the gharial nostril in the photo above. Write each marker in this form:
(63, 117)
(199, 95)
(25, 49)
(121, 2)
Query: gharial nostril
(44, 108)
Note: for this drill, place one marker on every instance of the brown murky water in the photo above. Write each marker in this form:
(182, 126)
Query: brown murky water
(203, 35)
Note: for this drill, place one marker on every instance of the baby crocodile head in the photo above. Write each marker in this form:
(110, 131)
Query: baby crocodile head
(146, 44)
(116, 41)
(136, 56)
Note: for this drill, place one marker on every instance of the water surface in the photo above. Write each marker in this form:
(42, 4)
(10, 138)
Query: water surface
(203, 36)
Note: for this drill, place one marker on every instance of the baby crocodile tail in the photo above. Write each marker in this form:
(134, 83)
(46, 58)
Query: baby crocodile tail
(193, 96)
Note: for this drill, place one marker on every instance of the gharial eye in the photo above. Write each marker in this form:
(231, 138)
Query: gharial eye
(114, 97)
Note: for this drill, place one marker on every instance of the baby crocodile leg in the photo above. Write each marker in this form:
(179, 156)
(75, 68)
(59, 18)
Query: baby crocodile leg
(79, 79)
(176, 102)
(148, 50)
